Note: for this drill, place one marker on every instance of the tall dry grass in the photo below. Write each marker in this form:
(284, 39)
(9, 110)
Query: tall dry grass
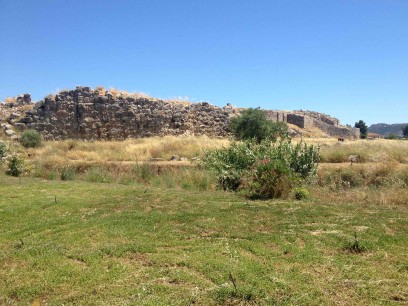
(58, 153)
(372, 175)
(377, 151)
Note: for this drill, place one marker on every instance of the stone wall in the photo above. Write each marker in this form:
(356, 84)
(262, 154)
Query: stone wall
(309, 120)
(84, 113)
(337, 130)
(277, 116)
(89, 114)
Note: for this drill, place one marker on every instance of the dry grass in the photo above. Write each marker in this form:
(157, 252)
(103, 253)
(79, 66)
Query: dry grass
(57, 154)
(10, 100)
(378, 150)
(123, 93)
(371, 175)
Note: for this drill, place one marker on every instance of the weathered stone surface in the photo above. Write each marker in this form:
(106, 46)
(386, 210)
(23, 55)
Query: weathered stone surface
(86, 114)
(309, 119)
(89, 114)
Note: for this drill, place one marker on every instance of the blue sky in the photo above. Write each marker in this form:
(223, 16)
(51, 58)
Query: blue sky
(347, 58)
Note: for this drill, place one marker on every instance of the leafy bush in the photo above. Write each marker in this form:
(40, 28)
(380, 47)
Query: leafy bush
(30, 139)
(270, 179)
(3, 151)
(16, 166)
(229, 163)
(301, 193)
(265, 170)
(253, 124)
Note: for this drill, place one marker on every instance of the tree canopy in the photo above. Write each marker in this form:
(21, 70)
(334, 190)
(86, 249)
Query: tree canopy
(253, 124)
(363, 128)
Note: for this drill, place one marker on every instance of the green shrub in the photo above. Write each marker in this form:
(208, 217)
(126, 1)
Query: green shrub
(228, 164)
(30, 139)
(270, 179)
(301, 193)
(3, 151)
(265, 170)
(253, 124)
(16, 166)
(67, 174)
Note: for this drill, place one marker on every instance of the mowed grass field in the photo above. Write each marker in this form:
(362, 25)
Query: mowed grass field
(83, 243)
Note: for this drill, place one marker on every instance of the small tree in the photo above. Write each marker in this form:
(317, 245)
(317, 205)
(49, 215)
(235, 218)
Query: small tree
(3, 151)
(405, 131)
(363, 128)
(15, 166)
(30, 139)
(253, 124)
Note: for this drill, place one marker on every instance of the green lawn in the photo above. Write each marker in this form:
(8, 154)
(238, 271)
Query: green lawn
(87, 243)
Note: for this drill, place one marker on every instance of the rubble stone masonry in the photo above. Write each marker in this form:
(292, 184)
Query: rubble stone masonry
(89, 114)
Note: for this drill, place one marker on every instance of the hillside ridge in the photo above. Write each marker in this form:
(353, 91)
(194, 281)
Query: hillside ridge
(386, 129)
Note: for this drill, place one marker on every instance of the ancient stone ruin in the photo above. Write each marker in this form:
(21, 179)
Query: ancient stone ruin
(309, 119)
(88, 114)
(97, 114)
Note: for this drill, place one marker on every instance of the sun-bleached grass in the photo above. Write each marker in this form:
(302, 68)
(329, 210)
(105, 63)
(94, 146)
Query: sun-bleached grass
(59, 153)
(378, 150)
(371, 175)
(123, 93)
(10, 100)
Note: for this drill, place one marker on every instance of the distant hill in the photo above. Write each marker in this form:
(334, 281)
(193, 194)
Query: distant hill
(387, 129)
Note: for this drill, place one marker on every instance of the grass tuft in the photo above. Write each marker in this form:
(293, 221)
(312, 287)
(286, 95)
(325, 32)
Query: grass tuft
(355, 246)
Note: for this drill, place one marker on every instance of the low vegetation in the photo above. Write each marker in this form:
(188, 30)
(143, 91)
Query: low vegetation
(30, 139)
(97, 223)
(3, 151)
(370, 151)
(16, 165)
(264, 170)
(57, 154)
(89, 243)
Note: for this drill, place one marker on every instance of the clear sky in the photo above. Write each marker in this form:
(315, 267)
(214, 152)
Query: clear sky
(347, 58)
